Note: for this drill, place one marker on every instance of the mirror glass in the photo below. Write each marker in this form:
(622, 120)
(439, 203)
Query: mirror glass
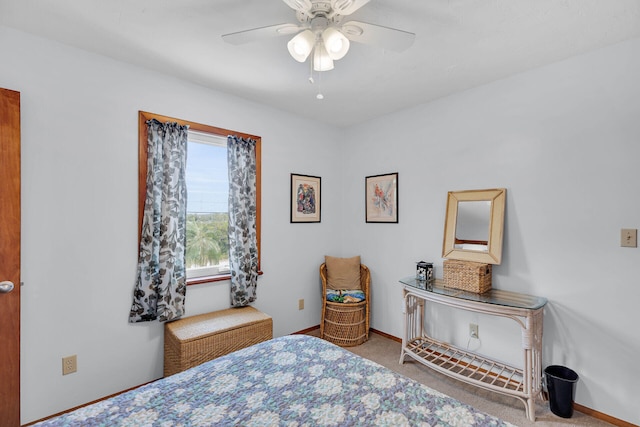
(474, 225)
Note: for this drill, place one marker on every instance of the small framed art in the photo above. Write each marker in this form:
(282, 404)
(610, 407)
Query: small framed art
(381, 193)
(305, 198)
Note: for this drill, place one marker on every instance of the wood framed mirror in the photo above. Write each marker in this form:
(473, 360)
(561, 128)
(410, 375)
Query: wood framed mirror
(474, 225)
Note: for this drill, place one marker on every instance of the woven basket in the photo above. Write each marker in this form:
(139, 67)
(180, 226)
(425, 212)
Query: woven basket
(467, 276)
(193, 340)
(345, 324)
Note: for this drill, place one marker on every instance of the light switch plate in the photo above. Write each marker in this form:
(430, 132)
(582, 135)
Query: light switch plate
(629, 238)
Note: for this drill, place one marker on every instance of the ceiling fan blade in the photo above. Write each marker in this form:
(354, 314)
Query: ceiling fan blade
(377, 35)
(260, 33)
(299, 5)
(347, 7)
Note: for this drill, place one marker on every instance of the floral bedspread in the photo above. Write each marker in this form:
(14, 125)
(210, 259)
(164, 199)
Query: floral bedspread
(290, 381)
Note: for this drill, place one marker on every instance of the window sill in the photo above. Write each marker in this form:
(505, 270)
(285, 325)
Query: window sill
(211, 279)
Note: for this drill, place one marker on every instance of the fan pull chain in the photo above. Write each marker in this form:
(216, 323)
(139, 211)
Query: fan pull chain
(319, 95)
(311, 70)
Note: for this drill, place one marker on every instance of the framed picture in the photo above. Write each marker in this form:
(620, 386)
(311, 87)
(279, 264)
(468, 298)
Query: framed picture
(381, 192)
(305, 198)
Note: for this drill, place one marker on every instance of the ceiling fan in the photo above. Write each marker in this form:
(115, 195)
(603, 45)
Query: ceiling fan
(320, 30)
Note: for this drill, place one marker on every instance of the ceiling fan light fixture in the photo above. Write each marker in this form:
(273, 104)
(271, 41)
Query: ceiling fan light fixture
(321, 59)
(301, 45)
(336, 43)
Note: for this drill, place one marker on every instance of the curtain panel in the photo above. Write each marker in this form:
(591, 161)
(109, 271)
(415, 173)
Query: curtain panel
(161, 275)
(243, 243)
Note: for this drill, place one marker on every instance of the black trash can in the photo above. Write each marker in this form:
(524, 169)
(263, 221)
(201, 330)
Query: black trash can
(561, 382)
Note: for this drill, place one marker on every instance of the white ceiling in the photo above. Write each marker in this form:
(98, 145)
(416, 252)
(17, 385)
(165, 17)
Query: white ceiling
(459, 44)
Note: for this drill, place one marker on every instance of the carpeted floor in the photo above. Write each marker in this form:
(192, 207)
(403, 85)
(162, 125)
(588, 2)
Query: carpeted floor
(386, 352)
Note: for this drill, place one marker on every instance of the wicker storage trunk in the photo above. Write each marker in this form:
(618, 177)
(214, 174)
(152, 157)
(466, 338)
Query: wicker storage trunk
(467, 275)
(194, 340)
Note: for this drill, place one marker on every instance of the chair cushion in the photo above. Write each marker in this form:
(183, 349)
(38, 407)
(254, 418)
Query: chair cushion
(346, 295)
(343, 273)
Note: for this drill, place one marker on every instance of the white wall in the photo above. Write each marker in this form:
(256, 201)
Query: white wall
(565, 142)
(562, 139)
(80, 210)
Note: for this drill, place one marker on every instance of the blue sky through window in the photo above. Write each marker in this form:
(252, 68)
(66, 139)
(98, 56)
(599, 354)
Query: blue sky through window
(207, 178)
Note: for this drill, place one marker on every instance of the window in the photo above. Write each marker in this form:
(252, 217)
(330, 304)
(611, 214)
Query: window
(207, 196)
(207, 179)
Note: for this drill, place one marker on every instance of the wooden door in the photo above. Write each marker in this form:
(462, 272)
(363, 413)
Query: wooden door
(9, 258)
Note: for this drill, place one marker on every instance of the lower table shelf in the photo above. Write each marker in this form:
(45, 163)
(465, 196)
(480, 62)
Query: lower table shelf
(456, 362)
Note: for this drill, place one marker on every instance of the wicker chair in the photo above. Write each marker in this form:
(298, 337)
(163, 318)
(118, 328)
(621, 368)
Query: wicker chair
(345, 324)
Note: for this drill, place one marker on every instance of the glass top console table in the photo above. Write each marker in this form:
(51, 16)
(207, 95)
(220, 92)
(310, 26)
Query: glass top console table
(526, 310)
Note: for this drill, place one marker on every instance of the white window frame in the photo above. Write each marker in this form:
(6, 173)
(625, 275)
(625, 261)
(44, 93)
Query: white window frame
(207, 138)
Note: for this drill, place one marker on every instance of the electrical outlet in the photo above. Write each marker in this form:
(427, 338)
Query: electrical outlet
(473, 330)
(69, 364)
(629, 238)
(301, 304)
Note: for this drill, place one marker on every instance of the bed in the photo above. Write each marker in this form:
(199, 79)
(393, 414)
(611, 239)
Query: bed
(295, 381)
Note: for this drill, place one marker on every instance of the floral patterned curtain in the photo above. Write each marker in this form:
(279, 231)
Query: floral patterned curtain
(243, 244)
(161, 278)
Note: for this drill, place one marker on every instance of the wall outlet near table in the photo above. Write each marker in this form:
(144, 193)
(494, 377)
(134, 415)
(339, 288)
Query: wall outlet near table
(473, 330)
